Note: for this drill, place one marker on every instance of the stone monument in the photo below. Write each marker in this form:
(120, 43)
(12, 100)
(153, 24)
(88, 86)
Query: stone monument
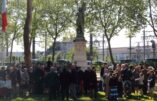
(80, 56)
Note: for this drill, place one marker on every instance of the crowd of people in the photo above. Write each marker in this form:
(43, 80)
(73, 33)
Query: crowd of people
(49, 79)
(126, 79)
(64, 82)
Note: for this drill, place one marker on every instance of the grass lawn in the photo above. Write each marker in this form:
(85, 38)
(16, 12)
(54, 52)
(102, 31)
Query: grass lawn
(101, 97)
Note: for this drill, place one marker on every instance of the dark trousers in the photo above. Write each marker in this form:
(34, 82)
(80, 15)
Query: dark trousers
(65, 93)
(120, 89)
(86, 87)
(144, 88)
(100, 85)
(38, 88)
(52, 92)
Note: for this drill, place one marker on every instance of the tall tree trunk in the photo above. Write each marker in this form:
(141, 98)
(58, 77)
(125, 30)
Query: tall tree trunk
(12, 43)
(7, 45)
(33, 48)
(53, 50)
(110, 51)
(26, 36)
(130, 47)
(45, 45)
(91, 47)
(11, 50)
(109, 45)
(103, 48)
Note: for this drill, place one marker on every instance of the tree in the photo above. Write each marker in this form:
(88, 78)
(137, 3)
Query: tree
(114, 15)
(36, 18)
(152, 18)
(15, 23)
(55, 16)
(26, 35)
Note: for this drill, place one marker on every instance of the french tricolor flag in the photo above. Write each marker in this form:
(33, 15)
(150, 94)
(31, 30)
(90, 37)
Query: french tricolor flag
(4, 15)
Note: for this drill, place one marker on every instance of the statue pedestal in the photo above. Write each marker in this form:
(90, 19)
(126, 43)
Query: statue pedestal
(80, 56)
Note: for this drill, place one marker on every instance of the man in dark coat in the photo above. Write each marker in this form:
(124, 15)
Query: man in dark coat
(65, 83)
(52, 82)
(38, 75)
(87, 80)
(93, 82)
(49, 64)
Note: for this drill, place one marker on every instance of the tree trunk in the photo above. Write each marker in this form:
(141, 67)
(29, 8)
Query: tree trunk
(91, 47)
(53, 49)
(103, 48)
(11, 50)
(130, 47)
(110, 51)
(33, 48)
(109, 46)
(7, 46)
(45, 45)
(12, 43)
(26, 36)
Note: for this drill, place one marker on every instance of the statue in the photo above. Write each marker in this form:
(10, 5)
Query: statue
(80, 21)
(80, 42)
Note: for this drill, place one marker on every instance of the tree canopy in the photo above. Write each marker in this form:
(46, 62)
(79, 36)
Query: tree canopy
(55, 17)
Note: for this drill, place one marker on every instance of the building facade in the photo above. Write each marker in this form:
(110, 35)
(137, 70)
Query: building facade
(138, 53)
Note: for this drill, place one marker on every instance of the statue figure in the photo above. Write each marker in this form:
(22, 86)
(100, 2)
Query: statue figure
(80, 21)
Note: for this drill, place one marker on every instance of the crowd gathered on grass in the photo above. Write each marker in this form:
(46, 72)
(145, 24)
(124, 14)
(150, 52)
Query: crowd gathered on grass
(71, 81)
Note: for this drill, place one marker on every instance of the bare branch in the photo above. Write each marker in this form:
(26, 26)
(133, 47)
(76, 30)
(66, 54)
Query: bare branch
(151, 18)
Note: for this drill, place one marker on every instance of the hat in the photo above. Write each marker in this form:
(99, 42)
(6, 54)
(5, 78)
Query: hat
(151, 68)
(110, 67)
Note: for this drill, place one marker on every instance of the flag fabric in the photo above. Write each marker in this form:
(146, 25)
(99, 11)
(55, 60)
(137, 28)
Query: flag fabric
(4, 15)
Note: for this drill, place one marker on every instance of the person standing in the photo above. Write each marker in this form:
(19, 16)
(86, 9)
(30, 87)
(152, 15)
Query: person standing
(106, 78)
(127, 77)
(48, 66)
(73, 83)
(144, 71)
(2, 79)
(53, 82)
(93, 82)
(120, 84)
(113, 83)
(38, 75)
(24, 82)
(65, 83)
(151, 81)
(12, 75)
